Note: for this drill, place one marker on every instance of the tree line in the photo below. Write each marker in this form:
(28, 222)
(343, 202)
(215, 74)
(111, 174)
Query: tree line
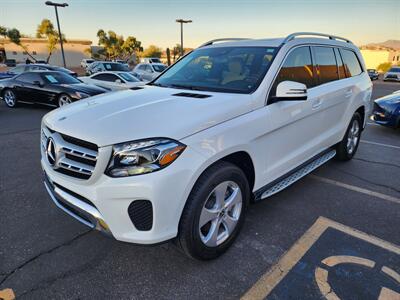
(113, 46)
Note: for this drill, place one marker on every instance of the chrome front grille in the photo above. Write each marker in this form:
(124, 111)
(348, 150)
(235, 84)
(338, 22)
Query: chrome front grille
(73, 157)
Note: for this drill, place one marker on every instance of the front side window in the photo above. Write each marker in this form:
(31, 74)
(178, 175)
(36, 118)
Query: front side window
(325, 62)
(220, 69)
(351, 63)
(297, 67)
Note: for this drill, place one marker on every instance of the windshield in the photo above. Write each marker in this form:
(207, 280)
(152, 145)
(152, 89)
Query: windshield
(220, 69)
(396, 70)
(59, 78)
(115, 67)
(371, 70)
(159, 68)
(129, 77)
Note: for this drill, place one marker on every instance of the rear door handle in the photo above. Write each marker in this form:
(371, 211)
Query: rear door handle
(316, 104)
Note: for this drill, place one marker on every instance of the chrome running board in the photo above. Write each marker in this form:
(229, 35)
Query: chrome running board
(298, 173)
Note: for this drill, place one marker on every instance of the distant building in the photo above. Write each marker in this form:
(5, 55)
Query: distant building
(373, 57)
(75, 51)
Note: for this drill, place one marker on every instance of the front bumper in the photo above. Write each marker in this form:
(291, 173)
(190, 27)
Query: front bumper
(102, 202)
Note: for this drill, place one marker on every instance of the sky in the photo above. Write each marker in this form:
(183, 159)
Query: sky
(153, 21)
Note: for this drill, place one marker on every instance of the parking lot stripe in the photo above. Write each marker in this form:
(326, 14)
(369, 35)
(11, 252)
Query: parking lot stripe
(269, 280)
(356, 189)
(380, 144)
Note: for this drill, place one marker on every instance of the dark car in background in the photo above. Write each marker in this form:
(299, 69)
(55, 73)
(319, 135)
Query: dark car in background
(373, 74)
(21, 68)
(387, 110)
(45, 87)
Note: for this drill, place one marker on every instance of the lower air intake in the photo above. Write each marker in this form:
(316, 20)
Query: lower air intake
(141, 214)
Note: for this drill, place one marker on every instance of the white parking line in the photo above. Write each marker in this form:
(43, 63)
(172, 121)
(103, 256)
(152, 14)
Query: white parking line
(357, 189)
(380, 144)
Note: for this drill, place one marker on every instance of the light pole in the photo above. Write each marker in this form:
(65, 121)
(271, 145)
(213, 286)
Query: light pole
(182, 21)
(49, 3)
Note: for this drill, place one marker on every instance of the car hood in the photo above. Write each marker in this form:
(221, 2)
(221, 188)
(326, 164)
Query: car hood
(150, 112)
(85, 88)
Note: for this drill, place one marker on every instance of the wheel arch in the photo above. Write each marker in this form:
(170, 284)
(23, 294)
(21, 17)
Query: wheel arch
(361, 111)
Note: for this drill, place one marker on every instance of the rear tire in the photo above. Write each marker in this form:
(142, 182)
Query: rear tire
(346, 149)
(214, 212)
(10, 98)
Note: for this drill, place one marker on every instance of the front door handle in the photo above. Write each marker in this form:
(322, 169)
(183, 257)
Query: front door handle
(348, 94)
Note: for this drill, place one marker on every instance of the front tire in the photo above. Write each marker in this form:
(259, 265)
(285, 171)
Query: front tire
(347, 148)
(214, 212)
(10, 98)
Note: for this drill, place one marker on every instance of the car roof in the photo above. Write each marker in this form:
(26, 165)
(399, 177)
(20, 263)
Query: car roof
(292, 39)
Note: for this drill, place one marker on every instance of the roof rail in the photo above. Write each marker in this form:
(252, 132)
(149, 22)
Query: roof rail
(331, 37)
(222, 40)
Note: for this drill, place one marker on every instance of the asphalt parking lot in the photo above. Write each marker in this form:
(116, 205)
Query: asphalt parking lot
(291, 246)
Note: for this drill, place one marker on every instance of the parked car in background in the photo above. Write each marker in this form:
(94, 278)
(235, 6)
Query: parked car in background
(21, 68)
(101, 66)
(40, 61)
(121, 61)
(11, 63)
(373, 74)
(392, 74)
(86, 62)
(113, 80)
(151, 60)
(45, 87)
(149, 71)
(387, 110)
(233, 122)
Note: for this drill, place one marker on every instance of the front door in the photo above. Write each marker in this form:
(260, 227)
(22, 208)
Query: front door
(295, 125)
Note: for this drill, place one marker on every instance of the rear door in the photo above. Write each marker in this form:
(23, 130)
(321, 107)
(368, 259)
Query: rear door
(296, 130)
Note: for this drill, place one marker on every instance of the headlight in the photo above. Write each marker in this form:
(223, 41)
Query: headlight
(141, 157)
(81, 95)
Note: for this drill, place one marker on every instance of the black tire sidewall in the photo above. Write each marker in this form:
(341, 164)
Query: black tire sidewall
(189, 236)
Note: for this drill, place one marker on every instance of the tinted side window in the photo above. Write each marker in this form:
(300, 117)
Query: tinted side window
(29, 77)
(339, 61)
(326, 64)
(106, 77)
(297, 67)
(351, 63)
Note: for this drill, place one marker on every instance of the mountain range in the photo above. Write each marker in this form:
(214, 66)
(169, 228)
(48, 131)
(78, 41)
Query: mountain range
(394, 44)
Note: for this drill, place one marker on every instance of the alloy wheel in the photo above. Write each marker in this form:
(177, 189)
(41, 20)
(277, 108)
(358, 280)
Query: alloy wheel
(64, 100)
(353, 137)
(9, 98)
(220, 213)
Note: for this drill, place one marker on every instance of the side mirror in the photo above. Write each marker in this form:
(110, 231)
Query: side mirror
(37, 83)
(118, 81)
(290, 90)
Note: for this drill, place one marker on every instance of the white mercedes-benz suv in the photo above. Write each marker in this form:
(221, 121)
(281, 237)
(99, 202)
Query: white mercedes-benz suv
(233, 122)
